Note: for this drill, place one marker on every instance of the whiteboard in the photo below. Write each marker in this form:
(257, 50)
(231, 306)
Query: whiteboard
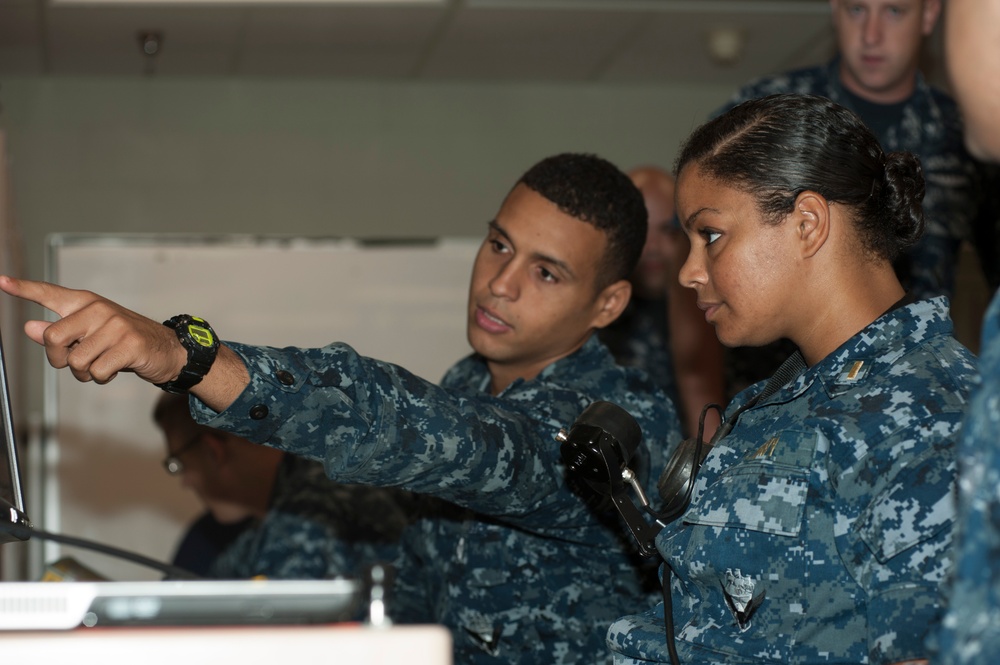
(402, 302)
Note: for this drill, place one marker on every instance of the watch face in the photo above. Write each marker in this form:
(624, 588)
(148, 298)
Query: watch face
(201, 335)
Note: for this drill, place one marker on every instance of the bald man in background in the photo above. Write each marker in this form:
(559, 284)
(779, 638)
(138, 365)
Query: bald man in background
(662, 331)
(971, 630)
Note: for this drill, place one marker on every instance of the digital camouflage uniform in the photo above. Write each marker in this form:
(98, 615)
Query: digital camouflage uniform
(828, 507)
(537, 574)
(316, 528)
(932, 130)
(971, 633)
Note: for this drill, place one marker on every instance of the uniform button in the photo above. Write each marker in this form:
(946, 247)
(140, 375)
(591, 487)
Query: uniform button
(258, 412)
(285, 378)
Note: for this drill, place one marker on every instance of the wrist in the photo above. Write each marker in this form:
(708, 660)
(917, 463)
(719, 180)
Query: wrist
(201, 346)
(225, 383)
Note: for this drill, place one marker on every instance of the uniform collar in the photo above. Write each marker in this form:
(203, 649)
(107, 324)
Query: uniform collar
(881, 343)
(921, 96)
(474, 373)
(867, 353)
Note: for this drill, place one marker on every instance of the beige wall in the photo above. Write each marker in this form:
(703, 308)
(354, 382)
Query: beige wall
(310, 158)
(302, 158)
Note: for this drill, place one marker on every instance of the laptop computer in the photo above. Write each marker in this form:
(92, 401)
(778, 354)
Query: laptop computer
(11, 495)
(65, 605)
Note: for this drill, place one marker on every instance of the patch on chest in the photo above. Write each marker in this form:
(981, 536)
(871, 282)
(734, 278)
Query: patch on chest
(742, 596)
(766, 451)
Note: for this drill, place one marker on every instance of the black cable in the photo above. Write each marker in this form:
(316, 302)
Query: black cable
(22, 532)
(668, 615)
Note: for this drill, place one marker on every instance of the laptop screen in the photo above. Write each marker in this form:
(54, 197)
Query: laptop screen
(11, 495)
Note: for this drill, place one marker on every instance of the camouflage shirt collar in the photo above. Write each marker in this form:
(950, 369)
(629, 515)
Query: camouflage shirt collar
(880, 344)
(589, 355)
(921, 102)
(474, 375)
(833, 75)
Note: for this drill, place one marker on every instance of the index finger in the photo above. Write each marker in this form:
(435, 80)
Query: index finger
(59, 299)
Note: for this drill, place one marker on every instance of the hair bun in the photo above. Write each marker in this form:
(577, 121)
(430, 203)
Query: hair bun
(903, 196)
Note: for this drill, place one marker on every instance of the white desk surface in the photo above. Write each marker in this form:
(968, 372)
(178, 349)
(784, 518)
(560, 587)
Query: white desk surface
(243, 645)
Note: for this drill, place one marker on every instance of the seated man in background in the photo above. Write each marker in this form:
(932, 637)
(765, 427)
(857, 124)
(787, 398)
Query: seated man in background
(287, 519)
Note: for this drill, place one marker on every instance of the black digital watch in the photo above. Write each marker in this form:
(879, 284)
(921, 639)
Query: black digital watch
(197, 336)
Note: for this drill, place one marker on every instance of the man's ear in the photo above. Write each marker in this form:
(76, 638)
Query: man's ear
(217, 447)
(931, 12)
(611, 302)
(811, 218)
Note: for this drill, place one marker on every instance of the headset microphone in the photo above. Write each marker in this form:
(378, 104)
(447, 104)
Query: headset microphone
(602, 441)
(598, 448)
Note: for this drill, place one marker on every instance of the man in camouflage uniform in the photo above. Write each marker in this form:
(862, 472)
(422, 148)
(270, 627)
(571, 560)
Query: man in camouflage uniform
(819, 527)
(876, 75)
(316, 528)
(297, 523)
(523, 570)
(971, 630)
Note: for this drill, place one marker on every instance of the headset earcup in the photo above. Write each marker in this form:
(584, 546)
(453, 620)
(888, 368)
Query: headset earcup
(677, 479)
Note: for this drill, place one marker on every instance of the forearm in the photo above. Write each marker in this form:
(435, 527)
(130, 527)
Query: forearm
(374, 423)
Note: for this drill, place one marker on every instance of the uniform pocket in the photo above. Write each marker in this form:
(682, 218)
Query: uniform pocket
(764, 491)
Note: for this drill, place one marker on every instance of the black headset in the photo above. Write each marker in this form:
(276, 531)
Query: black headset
(598, 448)
(601, 443)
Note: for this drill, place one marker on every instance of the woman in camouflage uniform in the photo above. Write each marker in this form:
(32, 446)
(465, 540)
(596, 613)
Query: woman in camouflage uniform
(820, 525)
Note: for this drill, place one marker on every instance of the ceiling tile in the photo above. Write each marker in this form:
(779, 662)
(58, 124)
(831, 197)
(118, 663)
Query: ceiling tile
(352, 42)
(673, 47)
(615, 41)
(105, 40)
(528, 44)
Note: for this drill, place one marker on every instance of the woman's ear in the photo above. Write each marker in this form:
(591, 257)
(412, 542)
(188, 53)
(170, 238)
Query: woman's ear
(812, 222)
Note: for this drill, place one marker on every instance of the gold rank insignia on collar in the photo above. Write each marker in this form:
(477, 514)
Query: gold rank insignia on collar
(854, 371)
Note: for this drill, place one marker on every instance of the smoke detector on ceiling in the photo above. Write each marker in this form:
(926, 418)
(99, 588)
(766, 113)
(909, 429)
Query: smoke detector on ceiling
(725, 44)
(150, 42)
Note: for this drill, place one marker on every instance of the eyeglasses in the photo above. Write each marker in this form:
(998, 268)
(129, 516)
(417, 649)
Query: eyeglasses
(172, 463)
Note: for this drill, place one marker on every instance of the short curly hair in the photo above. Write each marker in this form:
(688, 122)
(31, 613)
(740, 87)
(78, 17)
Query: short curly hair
(595, 191)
